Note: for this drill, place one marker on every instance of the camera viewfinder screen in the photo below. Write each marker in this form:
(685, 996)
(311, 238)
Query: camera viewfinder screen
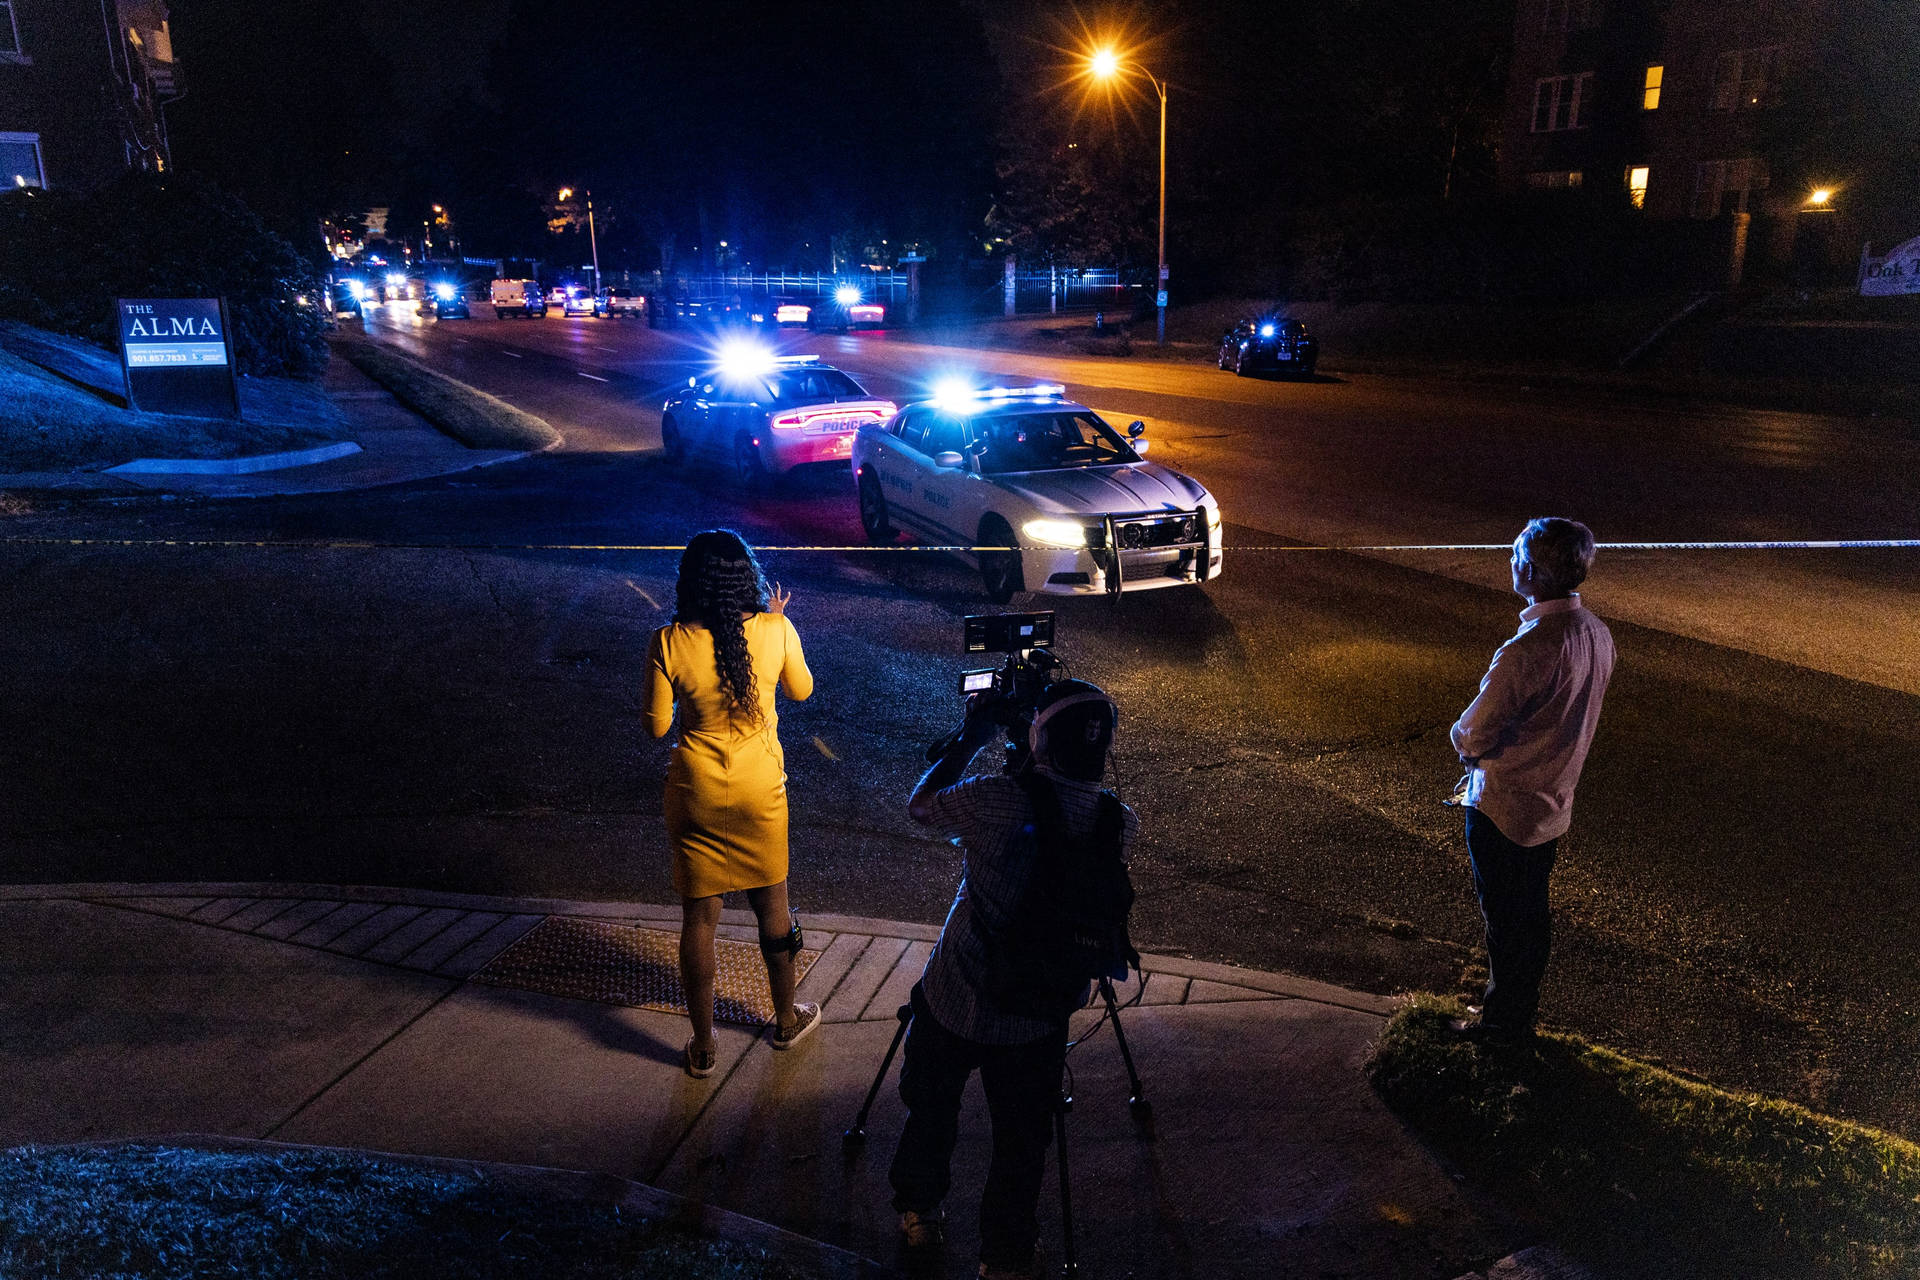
(1008, 632)
(976, 681)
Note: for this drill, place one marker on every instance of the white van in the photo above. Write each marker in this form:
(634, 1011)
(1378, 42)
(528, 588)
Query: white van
(518, 298)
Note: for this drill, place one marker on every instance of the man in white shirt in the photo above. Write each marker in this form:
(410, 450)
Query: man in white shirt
(1524, 740)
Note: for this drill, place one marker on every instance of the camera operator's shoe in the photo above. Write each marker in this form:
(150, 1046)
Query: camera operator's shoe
(806, 1021)
(923, 1230)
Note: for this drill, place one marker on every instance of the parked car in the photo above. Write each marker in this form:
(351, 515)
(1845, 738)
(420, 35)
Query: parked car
(767, 414)
(619, 301)
(1056, 500)
(517, 298)
(1280, 343)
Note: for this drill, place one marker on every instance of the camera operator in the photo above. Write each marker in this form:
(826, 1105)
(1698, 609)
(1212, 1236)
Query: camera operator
(957, 1027)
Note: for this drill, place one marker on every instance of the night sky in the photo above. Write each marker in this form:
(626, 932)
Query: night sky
(788, 129)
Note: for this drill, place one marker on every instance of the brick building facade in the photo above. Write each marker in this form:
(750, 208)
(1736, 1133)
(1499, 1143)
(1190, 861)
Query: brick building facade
(83, 84)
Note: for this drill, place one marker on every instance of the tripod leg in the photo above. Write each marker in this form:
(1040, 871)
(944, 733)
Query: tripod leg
(1137, 1104)
(858, 1134)
(1069, 1265)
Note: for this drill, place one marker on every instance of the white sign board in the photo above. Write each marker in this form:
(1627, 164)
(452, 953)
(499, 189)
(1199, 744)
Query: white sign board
(1897, 273)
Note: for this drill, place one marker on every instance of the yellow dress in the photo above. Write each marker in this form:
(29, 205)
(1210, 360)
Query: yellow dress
(726, 797)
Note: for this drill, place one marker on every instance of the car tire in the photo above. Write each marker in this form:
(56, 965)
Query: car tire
(672, 442)
(1001, 572)
(748, 466)
(874, 518)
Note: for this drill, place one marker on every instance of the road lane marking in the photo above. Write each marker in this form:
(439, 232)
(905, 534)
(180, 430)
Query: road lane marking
(641, 592)
(515, 354)
(610, 350)
(596, 377)
(824, 749)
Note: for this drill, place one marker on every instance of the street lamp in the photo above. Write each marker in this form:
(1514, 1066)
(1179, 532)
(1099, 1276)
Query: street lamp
(593, 240)
(1106, 64)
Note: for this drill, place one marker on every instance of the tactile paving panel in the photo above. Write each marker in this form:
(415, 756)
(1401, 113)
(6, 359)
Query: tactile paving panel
(621, 964)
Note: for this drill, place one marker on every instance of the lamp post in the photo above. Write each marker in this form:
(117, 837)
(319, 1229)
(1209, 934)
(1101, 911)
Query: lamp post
(593, 240)
(1106, 64)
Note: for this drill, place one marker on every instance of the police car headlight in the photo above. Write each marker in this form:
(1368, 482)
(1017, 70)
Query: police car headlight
(1056, 533)
(1213, 517)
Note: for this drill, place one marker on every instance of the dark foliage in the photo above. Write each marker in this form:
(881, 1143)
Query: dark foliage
(1647, 1170)
(65, 257)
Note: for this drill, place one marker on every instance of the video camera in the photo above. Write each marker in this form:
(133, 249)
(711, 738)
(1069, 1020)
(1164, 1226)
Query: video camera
(1011, 692)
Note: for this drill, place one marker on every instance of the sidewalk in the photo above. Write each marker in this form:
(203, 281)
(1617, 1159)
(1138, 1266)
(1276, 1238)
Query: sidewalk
(403, 1021)
(396, 446)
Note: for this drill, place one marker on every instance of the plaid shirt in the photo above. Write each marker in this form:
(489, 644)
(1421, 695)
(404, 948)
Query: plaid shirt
(988, 816)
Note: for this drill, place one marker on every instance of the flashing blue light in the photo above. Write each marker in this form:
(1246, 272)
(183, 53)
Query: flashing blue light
(739, 359)
(846, 295)
(1266, 331)
(955, 394)
(444, 292)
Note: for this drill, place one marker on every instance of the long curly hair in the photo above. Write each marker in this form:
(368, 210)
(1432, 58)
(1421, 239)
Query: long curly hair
(719, 581)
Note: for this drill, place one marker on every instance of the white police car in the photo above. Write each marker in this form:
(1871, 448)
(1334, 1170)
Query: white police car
(1044, 495)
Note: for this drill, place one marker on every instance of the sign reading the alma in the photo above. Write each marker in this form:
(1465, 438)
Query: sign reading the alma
(177, 355)
(1897, 273)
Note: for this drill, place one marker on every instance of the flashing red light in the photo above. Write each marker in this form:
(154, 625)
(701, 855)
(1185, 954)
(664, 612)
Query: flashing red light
(867, 311)
(797, 419)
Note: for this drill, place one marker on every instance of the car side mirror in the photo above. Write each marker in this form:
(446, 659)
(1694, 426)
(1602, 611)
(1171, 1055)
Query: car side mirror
(948, 458)
(1136, 428)
(1140, 447)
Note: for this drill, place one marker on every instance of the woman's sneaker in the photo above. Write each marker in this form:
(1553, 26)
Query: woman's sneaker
(700, 1064)
(806, 1020)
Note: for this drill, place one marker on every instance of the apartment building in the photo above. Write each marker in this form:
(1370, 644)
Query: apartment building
(83, 87)
(1672, 105)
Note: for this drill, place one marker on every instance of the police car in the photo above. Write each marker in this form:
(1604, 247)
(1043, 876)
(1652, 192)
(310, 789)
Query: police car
(766, 414)
(1044, 494)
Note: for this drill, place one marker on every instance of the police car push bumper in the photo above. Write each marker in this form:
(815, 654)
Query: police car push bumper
(1155, 549)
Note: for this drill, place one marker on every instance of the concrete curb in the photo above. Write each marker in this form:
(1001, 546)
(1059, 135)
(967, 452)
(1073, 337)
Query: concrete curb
(668, 914)
(566, 1184)
(236, 466)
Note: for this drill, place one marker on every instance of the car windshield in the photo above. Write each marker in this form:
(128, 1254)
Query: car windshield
(1047, 441)
(809, 386)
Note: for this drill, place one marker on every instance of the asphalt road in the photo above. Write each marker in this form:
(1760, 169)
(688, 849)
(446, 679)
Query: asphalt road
(1735, 898)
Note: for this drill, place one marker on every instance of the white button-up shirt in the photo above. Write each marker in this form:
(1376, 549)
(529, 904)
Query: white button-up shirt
(1525, 738)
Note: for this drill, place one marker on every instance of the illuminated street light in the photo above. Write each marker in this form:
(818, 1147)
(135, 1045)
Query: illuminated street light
(1108, 64)
(1820, 196)
(593, 239)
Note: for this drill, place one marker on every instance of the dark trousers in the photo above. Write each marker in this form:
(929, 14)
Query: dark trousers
(1022, 1083)
(1511, 880)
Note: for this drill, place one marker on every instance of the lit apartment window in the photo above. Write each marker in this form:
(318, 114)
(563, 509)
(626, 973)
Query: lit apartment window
(1746, 78)
(1637, 185)
(9, 30)
(20, 160)
(1723, 186)
(1557, 99)
(1555, 179)
(1566, 15)
(1650, 96)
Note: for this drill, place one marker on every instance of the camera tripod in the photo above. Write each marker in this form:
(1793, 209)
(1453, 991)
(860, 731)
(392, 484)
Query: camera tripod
(1137, 1106)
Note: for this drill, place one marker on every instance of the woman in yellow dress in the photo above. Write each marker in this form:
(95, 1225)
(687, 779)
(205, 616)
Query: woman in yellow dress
(729, 644)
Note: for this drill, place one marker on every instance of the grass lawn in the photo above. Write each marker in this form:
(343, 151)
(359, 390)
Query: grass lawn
(471, 416)
(138, 1211)
(1649, 1171)
(61, 409)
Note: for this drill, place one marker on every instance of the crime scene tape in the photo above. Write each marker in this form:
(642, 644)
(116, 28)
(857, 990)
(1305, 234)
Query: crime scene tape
(357, 544)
